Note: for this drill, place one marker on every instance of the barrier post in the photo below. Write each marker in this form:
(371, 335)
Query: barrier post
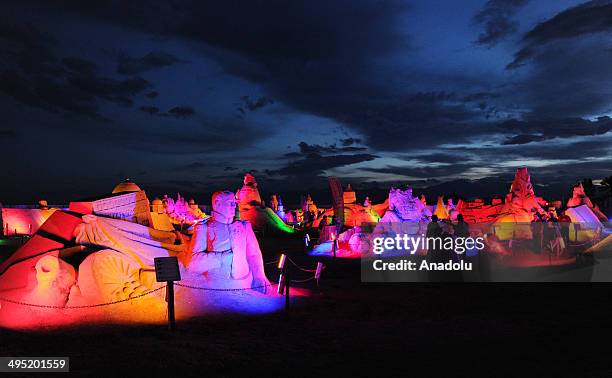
(170, 299)
(334, 245)
(287, 285)
(283, 280)
(306, 242)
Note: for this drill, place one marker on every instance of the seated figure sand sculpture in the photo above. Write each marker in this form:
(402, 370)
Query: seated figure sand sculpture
(580, 198)
(224, 249)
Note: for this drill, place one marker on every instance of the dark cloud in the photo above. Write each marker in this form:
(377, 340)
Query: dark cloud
(575, 170)
(318, 58)
(306, 149)
(181, 111)
(24, 47)
(210, 136)
(349, 141)
(437, 158)
(195, 166)
(579, 150)
(7, 134)
(151, 110)
(117, 91)
(186, 183)
(398, 124)
(350, 63)
(548, 150)
(45, 93)
(252, 105)
(588, 18)
(34, 76)
(524, 139)
(497, 18)
(422, 172)
(226, 169)
(541, 129)
(80, 66)
(156, 59)
(568, 78)
(314, 164)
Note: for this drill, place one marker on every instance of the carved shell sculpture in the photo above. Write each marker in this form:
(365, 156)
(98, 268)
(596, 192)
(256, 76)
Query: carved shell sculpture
(113, 276)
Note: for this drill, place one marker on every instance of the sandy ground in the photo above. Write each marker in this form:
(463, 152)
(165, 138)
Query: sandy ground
(348, 327)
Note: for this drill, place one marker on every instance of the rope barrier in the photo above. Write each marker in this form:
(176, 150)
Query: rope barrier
(219, 289)
(84, 306)
(299, 267)
(163, 287)
(301, 281)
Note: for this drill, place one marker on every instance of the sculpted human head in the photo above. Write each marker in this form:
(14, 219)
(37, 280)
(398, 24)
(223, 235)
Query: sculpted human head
(578, 190)
(224, 203)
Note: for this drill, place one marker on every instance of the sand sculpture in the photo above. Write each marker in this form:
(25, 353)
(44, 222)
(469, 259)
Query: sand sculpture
(87, 267)
(250, 207)
(580, 198)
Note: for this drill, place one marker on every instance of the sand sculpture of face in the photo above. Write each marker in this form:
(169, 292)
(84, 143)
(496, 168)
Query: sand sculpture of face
(224, 203)
(578, 191)
(249, 180)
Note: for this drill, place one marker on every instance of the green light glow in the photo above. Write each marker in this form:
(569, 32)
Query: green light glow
(278, 223)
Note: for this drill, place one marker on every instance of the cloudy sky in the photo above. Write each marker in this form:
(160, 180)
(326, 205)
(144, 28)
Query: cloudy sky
(188, 95)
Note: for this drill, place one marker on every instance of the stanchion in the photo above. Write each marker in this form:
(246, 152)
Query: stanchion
(170, 300)
(284, 280)
(287, 286)
(306, 242)
(333, 237)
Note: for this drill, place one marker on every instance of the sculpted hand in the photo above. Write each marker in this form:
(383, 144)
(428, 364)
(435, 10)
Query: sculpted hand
(260, 284)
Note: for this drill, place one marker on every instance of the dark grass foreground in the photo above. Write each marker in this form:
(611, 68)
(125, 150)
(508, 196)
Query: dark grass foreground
(352, 328)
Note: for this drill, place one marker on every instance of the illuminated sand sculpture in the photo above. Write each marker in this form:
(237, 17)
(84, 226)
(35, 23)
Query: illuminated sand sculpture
(81, 268)
(508, 225)
(403, 207)
(251, 208)
(354, 213)
(579, 198)
(441, 212)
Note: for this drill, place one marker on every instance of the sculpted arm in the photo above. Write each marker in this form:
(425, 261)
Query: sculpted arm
(201, 261)
(255, 260)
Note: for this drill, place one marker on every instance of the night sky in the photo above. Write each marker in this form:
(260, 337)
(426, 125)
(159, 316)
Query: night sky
(188, 95)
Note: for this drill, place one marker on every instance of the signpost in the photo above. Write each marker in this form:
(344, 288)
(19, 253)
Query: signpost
(167, 270)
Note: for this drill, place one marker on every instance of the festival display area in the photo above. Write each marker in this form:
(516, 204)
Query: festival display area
(523, 230)
(95, 261)
(98, 266)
